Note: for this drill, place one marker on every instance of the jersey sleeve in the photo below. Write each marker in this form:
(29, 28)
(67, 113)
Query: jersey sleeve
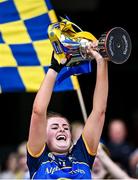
(34, 161)
(81, 152)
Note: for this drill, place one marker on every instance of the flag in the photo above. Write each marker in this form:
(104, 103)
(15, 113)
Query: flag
(25, 50)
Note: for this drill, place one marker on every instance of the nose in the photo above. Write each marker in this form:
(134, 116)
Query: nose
(61, 129)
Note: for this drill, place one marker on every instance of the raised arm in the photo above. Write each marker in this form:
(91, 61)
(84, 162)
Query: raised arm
(37, 132)
(94, 124)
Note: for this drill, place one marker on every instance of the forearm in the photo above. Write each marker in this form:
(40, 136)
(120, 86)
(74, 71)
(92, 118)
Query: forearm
(101, 87)
(43, 96)
(112, 167)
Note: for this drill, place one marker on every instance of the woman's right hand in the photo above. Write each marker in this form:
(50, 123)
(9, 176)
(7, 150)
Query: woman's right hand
(93, 51)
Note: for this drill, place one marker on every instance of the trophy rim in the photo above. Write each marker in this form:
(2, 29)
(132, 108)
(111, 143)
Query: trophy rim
(108, 49)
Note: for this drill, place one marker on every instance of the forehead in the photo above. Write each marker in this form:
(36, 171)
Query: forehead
(57, 120)
(118, 124)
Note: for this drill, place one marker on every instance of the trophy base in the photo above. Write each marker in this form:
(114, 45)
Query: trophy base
(115, 45)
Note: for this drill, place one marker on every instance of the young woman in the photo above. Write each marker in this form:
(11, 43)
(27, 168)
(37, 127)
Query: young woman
(50, 155)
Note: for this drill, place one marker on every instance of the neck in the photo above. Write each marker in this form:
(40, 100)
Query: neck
(56, 153)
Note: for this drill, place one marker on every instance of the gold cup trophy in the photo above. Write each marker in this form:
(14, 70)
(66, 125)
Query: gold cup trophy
(69, 40)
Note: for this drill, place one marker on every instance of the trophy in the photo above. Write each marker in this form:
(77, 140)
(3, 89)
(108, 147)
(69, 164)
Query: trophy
(69, 40)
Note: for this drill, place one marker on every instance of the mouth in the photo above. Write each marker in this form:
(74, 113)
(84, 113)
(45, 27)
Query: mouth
(61, 137)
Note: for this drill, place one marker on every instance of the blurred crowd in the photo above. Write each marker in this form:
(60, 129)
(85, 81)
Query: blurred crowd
(15, 166)
(116, 159)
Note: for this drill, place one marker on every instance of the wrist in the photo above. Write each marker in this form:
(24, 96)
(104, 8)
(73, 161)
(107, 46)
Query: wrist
(52, 72)
(56, 68)
(100, 60)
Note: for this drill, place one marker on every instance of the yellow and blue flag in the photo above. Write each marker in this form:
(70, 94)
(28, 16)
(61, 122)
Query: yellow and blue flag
(25, 50)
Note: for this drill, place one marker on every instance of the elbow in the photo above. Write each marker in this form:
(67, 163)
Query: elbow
(38, 110)
(100, 116)
(103, 110)
(100, 111)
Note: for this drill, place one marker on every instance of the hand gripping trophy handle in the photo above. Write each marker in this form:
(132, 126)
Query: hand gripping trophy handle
(67, 41)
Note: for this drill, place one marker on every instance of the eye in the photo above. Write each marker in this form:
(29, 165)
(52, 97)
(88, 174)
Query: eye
(66, 128)
(54, 128)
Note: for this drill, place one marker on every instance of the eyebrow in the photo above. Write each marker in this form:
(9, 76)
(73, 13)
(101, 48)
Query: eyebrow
(56, 124)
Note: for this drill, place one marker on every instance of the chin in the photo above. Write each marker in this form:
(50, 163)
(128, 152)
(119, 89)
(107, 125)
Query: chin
(63, 148)
(58, 147)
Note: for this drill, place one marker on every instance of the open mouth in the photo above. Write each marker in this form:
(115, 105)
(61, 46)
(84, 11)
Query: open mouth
(61, 137)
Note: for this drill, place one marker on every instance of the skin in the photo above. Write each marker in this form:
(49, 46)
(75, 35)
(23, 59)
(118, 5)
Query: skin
(76, 129)
(117, 131)
(38, 135)
(58, 135)
(103, 164)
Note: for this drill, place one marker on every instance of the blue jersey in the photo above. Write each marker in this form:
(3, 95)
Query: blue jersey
(76, 165)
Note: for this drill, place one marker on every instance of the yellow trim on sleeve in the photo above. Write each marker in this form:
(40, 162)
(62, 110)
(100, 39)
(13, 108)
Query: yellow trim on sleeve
(87, 147)
(38, 154)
